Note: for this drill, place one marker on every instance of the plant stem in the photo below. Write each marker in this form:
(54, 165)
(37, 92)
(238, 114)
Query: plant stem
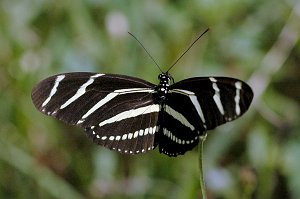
(202, 183)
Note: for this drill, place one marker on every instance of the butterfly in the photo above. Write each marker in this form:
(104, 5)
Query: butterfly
(132, 116)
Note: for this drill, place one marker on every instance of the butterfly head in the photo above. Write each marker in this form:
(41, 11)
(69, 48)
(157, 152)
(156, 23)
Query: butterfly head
(165, 78)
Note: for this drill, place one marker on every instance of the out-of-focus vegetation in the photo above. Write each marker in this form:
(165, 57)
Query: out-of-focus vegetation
(257, 156)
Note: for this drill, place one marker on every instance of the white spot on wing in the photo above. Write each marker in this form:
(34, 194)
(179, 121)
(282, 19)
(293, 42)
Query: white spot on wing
(111, 138)
(216, 96)
(196, 104)
(58, 79)
(130, 136)
(238, 86)
(184, 92)
(131, 113)
(133, 90)
(141, 132)
(154, 129)
(80, 91)
(212, 79)
(193, 99)
(178, 116)
(98, 105)
(146, 131)
(124, 137)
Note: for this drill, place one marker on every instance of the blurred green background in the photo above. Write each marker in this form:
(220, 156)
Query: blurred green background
(257, 156)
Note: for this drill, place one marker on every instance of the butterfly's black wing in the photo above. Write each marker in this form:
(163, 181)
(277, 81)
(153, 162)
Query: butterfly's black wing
(198, 104)
(116, 111)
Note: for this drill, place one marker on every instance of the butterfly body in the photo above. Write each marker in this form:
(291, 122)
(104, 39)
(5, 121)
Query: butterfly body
(131, 115)
(162, 89)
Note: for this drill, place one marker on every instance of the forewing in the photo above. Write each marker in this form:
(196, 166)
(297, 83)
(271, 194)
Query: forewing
(217, 100)
(107, 106)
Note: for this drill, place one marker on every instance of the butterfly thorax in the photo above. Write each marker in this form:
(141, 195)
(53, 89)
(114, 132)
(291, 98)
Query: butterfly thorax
(163, 87)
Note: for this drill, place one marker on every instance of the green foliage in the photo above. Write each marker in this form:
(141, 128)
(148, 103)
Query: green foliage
(256, 156)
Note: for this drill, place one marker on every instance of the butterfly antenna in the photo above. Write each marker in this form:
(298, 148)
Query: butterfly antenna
(146, 51)
(188, 49)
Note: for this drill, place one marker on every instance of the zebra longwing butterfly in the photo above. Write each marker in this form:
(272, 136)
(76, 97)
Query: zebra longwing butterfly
(131, 115)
